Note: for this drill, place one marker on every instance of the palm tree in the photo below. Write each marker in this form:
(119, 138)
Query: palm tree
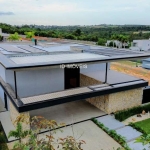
(113, 37)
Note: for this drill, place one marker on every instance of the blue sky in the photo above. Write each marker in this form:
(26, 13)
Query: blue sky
(75, 12)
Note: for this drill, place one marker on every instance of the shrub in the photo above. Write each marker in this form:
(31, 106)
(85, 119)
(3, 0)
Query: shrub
(123, 115)
(33, 141)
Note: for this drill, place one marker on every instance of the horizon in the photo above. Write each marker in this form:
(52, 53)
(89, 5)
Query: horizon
(71, 12)
(103, 24)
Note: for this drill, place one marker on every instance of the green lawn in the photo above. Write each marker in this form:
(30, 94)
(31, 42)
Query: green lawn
(145, 125)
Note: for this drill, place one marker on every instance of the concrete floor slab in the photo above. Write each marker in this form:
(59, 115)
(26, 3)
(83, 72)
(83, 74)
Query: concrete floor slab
(69, 113)
(95, 138)
(7, 124)
(129, 133)
(138, 146)
(110, 122)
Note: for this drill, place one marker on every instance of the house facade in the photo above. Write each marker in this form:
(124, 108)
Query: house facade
(117, 44)
(34, 77)
(140, 45)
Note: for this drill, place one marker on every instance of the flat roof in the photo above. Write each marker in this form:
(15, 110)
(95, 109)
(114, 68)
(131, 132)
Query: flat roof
(45, 58)
(22, 55)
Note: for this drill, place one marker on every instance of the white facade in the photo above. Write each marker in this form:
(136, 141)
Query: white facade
(0, 31)
(117, 43)
(141, 45)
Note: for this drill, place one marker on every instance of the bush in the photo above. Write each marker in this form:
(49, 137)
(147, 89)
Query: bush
(123, 115)
(101, 41)
(33, 141)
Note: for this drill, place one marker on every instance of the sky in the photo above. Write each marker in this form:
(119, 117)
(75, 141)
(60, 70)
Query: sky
(75, 12)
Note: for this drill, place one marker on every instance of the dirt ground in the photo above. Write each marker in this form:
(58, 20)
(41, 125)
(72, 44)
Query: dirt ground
(127, 67)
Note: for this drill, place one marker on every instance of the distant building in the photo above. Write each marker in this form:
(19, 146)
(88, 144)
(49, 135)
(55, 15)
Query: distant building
(117, 44)
(141, 45)
(4, 35)
(146, 63)
(0, 31)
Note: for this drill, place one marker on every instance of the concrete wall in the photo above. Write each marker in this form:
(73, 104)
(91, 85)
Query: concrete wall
(36, 82)
(2, 94)
(2, 75)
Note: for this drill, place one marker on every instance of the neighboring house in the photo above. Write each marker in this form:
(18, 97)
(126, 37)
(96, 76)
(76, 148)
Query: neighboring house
(117, 43)
(146, 63)
(34, 77)
(6, 35)
(141, 45)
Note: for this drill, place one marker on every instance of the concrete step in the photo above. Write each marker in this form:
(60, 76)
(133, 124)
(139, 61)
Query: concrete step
(129, 133)
(110, 122)
(137, 146)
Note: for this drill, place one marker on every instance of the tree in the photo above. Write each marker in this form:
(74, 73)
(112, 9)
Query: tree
(29, 34)
(78, 32)
(101, 41)
(14, 37)
(34, 142)
(113, 37)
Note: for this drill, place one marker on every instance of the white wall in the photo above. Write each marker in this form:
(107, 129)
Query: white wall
(36, 82)
(142, 44)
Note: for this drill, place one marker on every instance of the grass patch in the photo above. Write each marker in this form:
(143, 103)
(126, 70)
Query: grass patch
(130, 63)
(144, 125)
(123, 115)
(3, 145)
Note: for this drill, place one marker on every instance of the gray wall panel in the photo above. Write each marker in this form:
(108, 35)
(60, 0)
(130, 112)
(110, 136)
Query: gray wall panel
(95, 67)
(2, 72)
(36, 82)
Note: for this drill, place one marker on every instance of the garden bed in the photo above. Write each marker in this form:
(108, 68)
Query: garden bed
(125, 114)
(3, 145)
(134, 119)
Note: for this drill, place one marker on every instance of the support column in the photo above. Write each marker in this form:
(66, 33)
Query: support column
(106, 72)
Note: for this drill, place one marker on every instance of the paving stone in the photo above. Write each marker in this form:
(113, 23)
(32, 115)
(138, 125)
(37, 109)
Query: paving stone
(110, 122)
(137, 146)
(129, 133)
(95, 138)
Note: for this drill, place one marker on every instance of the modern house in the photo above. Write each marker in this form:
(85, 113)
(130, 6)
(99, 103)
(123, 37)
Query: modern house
(34, 77)
(140, 45)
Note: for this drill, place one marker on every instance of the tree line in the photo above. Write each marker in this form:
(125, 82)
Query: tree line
(99, 34)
